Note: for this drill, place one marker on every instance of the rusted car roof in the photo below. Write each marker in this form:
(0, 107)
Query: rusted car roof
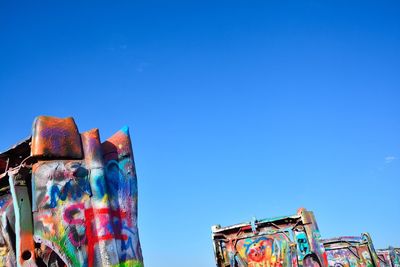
(13, 156)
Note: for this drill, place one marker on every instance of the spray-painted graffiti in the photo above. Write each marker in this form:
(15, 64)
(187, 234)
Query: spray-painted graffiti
(348, 257)
(68, 199)
(7, 257)
(84, 198)
(388, 257)
(303, 247)
(271, 250)
(350, 251)
(283, 241)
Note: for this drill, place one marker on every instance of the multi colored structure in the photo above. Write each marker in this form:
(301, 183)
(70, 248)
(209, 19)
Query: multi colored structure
(68, 199)
(389, 257)
(351, 251)
(295, 241)
(277, 242)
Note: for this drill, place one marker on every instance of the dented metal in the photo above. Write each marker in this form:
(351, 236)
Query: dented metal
(292, 241)
(68, 199)
(351, 251)
(284, 241)
(389, 257)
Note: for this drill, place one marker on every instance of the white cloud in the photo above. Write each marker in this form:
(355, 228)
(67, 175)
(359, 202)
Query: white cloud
(390, 159)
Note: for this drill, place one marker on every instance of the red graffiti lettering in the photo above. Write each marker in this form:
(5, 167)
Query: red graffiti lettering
(93, 237)
(83, 228)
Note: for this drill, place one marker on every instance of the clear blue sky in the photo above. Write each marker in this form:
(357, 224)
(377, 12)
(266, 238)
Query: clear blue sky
(236, 108)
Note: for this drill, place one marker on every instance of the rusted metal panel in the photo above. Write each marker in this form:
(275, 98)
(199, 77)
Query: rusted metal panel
(283, 241)
(61, 192)
(106, 249)
(14, 156)
(313, 235)
(56, 138)
(121, 180)
(7, 239)
(389, 257)
(25, 249)
(351, 251)
(84, 199)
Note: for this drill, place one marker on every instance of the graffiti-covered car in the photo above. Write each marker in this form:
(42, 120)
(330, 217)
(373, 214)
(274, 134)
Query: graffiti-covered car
(68, 199)
(283, 241)
(389, 257)
(351, 251)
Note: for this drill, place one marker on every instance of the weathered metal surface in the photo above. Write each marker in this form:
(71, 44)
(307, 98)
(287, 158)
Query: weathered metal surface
(56, 138)
(389, 257)
(120, 174)
(351, 251)
(84, 200)
(14, 156)
(7, 239)
(283, 241)
(25, 249)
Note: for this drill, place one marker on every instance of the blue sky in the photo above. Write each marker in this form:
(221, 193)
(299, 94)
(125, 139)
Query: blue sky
(236, 108)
